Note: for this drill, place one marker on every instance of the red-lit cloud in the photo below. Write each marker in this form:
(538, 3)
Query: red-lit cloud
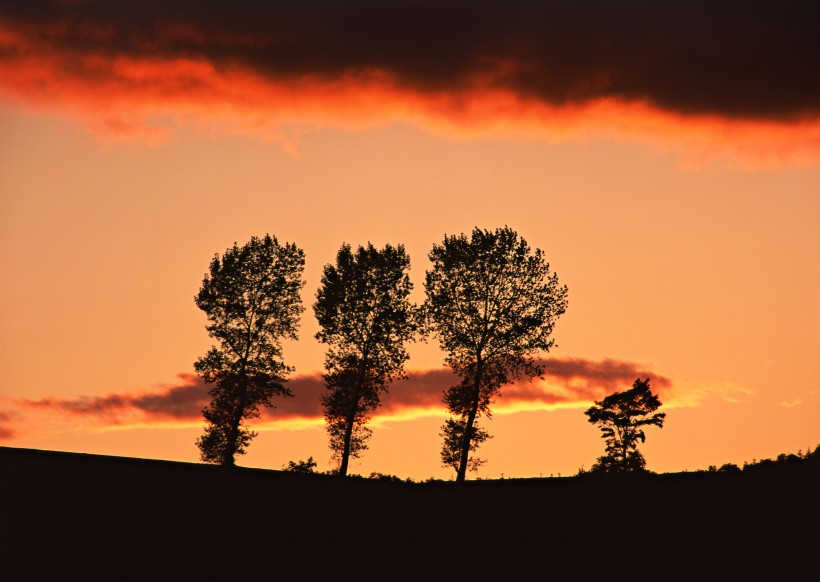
(738, 78)
(566, 381)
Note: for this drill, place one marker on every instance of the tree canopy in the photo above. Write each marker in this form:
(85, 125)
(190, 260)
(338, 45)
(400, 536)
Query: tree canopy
(366, 318)
(251, 299)
(492, 304)
(620, 417)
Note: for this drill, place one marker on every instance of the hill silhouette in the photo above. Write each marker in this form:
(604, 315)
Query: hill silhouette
(71, 516)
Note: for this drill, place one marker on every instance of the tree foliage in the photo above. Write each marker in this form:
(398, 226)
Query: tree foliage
(365, 318)
(251, 299)
(492, 304)
(621, 416)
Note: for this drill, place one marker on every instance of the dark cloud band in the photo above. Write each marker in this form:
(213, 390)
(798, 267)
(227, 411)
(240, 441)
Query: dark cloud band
(744, 59)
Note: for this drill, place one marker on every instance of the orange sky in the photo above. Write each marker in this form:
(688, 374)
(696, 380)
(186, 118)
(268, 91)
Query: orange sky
(686, 232)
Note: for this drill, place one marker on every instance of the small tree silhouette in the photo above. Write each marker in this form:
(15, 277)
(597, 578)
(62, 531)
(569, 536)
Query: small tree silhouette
(620, 417)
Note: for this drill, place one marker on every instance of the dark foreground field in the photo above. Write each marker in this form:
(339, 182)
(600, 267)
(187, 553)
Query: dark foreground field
(85, 517)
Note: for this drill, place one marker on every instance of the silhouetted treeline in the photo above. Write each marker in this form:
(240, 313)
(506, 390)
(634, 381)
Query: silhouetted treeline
(491, 302)
(808, 461)
(811, 458)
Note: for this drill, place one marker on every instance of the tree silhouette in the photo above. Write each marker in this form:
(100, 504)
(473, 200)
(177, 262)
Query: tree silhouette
(366, 318)
(251, 298)
(492, 304)
(620, 417)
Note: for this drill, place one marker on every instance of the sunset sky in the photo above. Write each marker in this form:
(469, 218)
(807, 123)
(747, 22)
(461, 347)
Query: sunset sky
(664, 155)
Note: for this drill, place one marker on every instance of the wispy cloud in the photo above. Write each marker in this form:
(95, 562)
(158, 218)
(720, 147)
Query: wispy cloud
(739, 78)
(688, 394)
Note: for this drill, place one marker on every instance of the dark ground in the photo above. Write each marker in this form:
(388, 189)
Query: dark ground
(67, 516)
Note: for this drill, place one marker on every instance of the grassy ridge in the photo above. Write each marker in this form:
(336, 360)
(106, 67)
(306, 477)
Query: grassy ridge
(71, 516)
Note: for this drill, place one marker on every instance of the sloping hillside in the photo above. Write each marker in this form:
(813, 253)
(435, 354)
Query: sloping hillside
(70, 516)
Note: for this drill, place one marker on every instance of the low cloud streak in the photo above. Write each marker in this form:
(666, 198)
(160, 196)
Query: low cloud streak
(567, 380)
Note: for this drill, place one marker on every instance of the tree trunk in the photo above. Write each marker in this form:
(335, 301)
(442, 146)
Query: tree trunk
(465, 446)
(346, 450)
(351, 418)
(229, 458)
(468, 429)
(624, 449)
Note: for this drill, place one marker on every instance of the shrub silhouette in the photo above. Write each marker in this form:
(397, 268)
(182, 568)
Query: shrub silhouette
(307, 466)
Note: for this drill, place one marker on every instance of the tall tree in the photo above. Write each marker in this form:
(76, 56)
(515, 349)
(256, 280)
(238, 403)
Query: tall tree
(366, 318)
(492, 304)
(620, 417)
(251, 298)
